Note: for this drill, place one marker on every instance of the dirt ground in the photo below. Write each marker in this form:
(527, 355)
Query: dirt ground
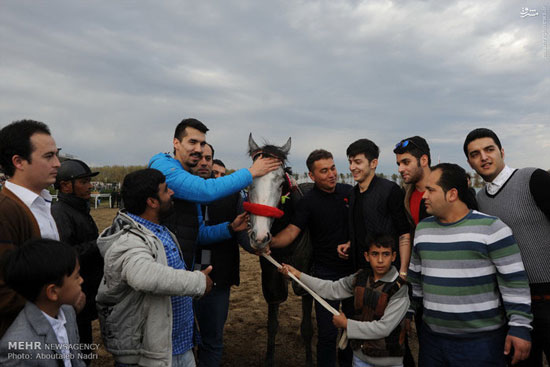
(245, 334)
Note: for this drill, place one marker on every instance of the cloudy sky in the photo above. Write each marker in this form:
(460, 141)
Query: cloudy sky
(113, 78)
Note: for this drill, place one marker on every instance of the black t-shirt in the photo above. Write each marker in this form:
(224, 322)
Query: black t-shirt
(326, 216)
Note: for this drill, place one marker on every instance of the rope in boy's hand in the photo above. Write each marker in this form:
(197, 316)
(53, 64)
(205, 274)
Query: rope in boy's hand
(344, 339)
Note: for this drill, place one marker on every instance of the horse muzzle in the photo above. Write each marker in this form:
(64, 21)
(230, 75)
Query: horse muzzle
(259, 242)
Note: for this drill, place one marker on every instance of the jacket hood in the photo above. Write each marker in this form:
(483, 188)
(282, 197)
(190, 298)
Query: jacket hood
(121, 224)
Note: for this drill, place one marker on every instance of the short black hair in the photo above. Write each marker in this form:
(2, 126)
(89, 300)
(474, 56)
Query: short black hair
(211, 147)
(218, 162)
(479, 133)
(363, 146)
(380, 240)
(138, 186)
(455, 177)
(190, 122)
(15, 139)
(315, 156)
(416, 146)
(38, 263)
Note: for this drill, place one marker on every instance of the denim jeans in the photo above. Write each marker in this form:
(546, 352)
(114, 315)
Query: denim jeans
(437, 350)
(211, 311)
(186, 359)
(326, 331)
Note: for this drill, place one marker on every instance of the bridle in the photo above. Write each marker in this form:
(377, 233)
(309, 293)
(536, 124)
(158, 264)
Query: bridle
(266, 210)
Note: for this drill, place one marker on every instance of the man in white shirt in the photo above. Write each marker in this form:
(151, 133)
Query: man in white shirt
(28, 156)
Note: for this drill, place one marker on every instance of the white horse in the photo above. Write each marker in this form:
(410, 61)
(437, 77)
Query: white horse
(272, 200)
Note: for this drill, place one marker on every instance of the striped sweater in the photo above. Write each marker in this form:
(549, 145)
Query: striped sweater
(470, 277)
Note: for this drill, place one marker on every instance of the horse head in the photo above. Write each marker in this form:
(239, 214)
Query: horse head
(265, 193)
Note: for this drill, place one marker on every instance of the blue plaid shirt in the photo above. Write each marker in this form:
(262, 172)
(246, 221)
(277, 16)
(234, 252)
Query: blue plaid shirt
(182, 307)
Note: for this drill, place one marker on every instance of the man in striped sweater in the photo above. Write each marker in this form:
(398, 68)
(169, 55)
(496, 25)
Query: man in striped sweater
(466, 270)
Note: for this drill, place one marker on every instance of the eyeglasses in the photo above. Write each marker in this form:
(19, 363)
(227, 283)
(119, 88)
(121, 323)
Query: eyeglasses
(404, 143)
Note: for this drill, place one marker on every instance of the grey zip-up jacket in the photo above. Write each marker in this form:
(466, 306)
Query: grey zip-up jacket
(133, 300)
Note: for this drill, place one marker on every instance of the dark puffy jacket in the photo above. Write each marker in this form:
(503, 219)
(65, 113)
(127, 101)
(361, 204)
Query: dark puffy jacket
(78, 229)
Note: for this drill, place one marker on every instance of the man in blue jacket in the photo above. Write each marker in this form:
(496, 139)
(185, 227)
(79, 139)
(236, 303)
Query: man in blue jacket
(190, 190)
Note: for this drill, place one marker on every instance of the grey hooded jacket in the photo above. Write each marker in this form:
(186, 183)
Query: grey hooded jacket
(133, 300)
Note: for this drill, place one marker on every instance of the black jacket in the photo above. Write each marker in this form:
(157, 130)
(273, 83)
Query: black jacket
(224, 254)
(77, 228)
(184, 223)
(383, 213)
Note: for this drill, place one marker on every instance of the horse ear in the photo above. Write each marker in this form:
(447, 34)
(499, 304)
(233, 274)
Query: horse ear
(286, 148)
(252, 146)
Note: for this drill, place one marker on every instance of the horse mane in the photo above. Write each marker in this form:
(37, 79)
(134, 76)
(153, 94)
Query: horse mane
(271, 150)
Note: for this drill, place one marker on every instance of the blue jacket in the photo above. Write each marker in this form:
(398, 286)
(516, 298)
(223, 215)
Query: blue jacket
(196, 189)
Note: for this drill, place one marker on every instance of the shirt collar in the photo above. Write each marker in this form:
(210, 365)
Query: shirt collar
(500, 180)
(148, 224)
(27, 196)
(56, 323)
(391, 275)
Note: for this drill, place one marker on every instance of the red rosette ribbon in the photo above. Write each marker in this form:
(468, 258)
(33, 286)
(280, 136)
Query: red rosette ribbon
(263, 210)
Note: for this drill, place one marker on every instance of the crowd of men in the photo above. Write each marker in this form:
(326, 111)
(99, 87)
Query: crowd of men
(477, 264)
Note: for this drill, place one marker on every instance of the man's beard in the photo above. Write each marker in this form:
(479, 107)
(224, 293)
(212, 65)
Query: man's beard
(166, 211)
(192, 164)
(417, 176)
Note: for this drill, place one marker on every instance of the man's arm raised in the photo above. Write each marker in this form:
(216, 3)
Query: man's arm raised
(196, 189)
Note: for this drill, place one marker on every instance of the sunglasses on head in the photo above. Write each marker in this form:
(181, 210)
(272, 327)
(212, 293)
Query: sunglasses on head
(405, 143)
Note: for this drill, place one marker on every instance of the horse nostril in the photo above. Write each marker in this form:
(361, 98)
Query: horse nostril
(267, 237)
(253, 235)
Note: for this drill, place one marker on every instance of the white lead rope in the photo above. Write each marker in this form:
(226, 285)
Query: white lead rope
(343, 340)
(318, 298)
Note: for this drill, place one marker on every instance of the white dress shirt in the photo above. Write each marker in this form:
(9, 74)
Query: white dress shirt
(58, 326)
(500, 180)
(40, 206)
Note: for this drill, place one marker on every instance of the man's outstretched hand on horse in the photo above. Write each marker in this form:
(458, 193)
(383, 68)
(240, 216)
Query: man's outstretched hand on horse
(285, 269)
(340, 321)
(209, 282)
(240, 223)
(261, 166)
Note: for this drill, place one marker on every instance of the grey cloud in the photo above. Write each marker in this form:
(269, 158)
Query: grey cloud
(112, 79)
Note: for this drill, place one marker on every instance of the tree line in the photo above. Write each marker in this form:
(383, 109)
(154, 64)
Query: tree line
(115, 174)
